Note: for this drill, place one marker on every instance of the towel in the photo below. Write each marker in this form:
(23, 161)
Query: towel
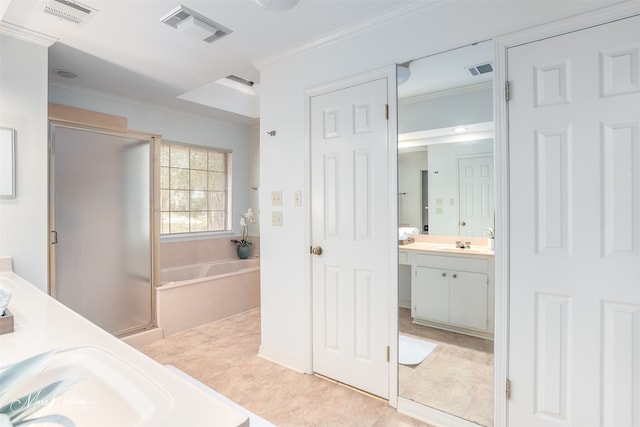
(405, 232)
(5, 297)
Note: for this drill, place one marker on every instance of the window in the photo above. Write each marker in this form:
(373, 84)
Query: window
(194, 189)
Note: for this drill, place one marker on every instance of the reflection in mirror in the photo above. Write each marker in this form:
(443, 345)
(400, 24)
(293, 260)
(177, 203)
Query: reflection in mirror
(445, 194)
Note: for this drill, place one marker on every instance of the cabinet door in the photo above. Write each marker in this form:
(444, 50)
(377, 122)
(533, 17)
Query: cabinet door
(430, 294)
(468, 293)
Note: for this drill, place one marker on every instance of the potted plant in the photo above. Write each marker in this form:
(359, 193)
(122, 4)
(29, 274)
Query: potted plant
(243, 245)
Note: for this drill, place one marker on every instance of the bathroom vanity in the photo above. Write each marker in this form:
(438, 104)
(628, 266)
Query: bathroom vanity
(118, 384)
(451, 288)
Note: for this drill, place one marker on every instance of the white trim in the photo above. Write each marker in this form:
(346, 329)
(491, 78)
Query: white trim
(432, 416)
(388, 73)
(350, 31)
(478, 87)
(625, 9)
(26, 35)
(281, 359)
(501, 147)
(501, 266)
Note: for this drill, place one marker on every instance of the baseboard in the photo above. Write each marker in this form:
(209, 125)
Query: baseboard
(144, 338)
(430, 415)
(281, 359)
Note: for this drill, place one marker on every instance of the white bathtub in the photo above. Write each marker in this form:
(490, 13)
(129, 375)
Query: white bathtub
(193, 295)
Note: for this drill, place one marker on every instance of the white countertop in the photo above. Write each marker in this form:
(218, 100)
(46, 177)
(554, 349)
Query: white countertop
(41, 324)
(446, 249)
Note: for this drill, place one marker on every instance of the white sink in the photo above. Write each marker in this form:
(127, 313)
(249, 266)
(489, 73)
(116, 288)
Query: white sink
(113, 392)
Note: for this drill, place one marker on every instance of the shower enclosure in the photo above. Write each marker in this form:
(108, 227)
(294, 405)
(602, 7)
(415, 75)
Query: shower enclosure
(101, 225)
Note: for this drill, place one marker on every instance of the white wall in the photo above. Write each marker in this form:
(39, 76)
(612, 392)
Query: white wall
(284, 250)
(175, 126)
(23, 107)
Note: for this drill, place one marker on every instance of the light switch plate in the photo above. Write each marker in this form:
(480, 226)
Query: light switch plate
(276, 218)
(297, 198)
(276, 198)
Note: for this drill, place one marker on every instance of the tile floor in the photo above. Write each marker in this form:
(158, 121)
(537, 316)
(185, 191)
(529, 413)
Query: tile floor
(457, 377)
(223, 355)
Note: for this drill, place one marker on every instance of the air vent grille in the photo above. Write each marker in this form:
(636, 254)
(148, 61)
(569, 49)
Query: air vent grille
(68, 10)
(194, 24)
(479, 69)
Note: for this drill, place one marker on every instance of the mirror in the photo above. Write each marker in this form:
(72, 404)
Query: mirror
(445, 188)
(7, 163)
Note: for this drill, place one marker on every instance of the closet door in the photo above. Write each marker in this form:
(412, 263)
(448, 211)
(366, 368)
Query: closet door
(101, 226)
(574, 142)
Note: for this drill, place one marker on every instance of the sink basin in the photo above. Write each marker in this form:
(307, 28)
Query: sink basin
(112, 392)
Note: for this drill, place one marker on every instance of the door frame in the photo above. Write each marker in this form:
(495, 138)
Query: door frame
(389, 73)
(501, 161)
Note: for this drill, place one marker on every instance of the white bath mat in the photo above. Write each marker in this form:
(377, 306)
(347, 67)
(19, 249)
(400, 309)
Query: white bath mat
(412, 351)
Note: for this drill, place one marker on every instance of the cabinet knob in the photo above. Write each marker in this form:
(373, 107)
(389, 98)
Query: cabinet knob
(444, 274)
(454, 275)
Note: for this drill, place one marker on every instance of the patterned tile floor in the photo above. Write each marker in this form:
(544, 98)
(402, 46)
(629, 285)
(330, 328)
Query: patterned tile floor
(223, 355)
(457, 377)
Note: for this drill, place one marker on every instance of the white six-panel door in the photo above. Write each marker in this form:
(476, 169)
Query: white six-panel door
(350, 222)
(475, 189)
(574, 143)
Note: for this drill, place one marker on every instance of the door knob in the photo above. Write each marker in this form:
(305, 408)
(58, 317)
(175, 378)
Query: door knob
(316, 250)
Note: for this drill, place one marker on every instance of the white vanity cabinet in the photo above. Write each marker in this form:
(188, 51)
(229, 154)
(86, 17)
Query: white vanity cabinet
(453, 292)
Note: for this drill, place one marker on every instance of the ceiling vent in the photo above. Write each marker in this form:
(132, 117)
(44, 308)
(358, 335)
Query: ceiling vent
(194, 24)
(69, 10)
(479, 69)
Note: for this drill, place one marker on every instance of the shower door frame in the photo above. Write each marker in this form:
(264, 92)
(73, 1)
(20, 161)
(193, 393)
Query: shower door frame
(154, 220)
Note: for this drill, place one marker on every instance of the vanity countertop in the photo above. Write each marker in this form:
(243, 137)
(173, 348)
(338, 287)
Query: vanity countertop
(42, 324)
(446, 249)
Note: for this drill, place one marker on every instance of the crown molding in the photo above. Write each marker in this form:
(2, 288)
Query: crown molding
(27, 35)
(351, 30)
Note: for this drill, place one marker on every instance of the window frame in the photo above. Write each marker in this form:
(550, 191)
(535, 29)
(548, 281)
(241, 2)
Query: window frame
(227, 192)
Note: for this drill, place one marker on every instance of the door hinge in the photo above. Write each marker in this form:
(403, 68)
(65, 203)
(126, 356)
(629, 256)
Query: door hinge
(507, 95)
(386, 111)
(388, 353)
(508, 389)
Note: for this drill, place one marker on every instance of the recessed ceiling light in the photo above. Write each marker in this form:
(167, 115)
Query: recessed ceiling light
(277, 5)
(65, 74)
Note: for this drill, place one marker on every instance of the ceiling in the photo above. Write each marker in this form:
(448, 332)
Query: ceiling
(124, 50)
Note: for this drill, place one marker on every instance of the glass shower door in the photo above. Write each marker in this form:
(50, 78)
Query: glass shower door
(101, 226)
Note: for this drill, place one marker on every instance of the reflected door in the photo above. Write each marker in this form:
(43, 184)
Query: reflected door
(475, 180)
(574, 143)
(101, 225)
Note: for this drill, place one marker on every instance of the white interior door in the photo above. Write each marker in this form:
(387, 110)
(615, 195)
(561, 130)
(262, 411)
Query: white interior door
(574, 142)
(475, 181)
(350, 222)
